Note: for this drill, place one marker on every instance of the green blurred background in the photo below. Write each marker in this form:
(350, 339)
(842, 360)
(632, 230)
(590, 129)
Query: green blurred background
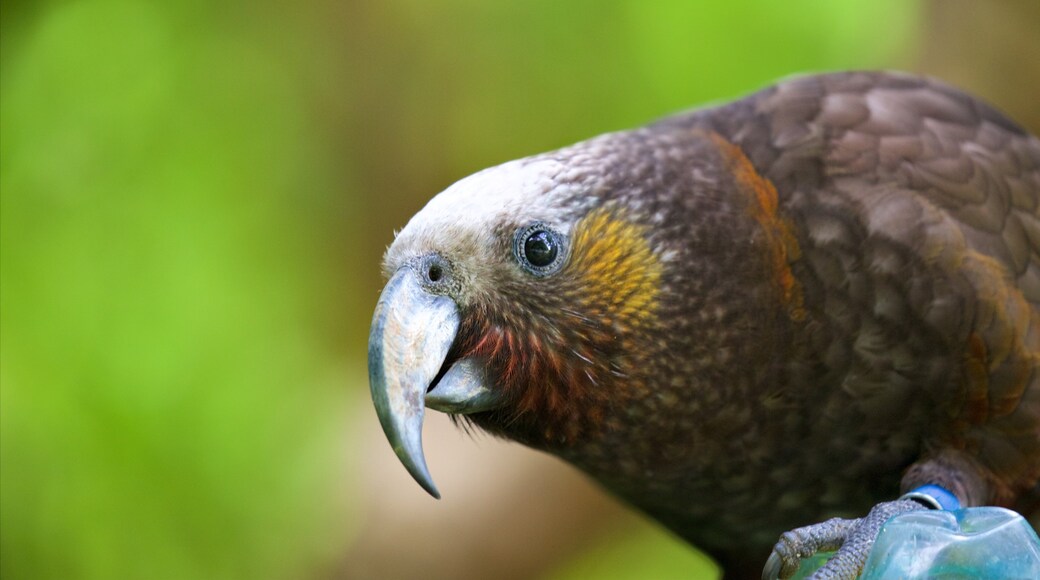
(195, 197)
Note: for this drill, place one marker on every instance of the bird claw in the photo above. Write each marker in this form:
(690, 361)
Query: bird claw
(801, 543)
(852, 539)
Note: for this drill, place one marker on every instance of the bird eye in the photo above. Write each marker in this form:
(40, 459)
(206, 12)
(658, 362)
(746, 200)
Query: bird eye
(539, 249)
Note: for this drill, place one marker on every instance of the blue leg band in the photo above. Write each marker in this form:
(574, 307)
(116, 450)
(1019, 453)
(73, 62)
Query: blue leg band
(934, 497)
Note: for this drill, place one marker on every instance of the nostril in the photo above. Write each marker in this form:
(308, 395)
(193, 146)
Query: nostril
(435, 273)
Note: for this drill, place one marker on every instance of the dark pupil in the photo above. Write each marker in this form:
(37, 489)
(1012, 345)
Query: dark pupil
(540, 249)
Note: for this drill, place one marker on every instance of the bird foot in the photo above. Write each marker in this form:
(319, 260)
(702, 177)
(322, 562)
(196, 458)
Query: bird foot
(852, 539)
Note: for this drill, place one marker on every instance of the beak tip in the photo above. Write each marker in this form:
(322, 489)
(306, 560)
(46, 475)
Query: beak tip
(416, 466)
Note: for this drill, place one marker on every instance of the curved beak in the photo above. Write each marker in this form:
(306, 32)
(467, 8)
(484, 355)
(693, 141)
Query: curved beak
(412, 332)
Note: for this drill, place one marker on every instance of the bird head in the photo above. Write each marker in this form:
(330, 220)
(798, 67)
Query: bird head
(535, 298)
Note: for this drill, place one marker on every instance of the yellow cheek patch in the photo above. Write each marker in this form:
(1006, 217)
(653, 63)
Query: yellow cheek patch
(779, 233)
(618, 274)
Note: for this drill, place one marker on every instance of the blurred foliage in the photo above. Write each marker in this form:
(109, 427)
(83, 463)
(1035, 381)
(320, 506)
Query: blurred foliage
(165, 413)
(194, 197)
(643, 554)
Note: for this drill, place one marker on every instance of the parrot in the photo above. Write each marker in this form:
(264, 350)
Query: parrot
(769, 325)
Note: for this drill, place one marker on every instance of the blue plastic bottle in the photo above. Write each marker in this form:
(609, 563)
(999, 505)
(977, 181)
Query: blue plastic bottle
(984, 542)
